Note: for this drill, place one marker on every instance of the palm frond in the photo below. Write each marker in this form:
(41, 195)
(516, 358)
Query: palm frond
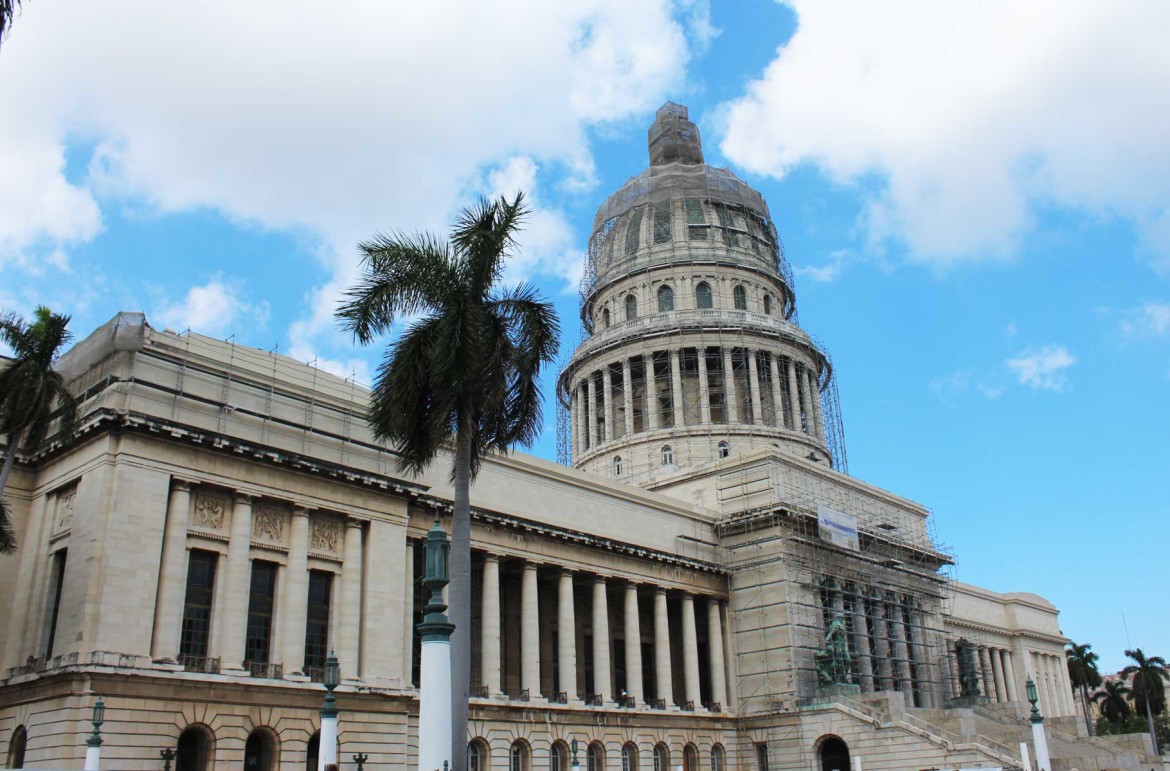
(484, 235)
(8, 10)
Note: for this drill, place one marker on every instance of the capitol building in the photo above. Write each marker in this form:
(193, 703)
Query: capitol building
(699, 584)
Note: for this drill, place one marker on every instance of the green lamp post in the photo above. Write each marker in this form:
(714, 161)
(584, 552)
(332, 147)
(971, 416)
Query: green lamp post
(93, 745)
(434, 708)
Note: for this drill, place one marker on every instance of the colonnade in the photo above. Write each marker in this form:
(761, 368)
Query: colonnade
(1050, 673)
(602, 685)
(886, 635)
(1002, 676)
(694, 386)
(996, 670)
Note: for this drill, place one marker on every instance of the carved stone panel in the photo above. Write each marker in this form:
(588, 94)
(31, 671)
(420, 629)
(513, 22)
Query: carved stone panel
(208, 512)
(268, 523)
(65, 504)
(325, 536)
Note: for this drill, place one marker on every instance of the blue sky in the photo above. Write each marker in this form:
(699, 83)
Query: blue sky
(975, 205)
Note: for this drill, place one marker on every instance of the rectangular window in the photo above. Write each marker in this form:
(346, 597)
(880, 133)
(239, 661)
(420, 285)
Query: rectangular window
(662, 224)
(727, 222)
(762, 756)
(317, 624)
(197, 605)
(696, 222)
(55, 603)
(261, 599)
(634, 231)
(715, 385)
(663, 389)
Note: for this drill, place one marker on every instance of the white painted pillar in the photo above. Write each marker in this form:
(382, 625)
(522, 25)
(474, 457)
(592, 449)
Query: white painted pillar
(754, 384)
(793, 395)
(1040, 741)
(327, 747)
(237, 586)
(628, 395)
(704, 389)
(567, 636)
(715, 647)
(529, 633)
(93, 757)
(408, 612)
(690, 652)
(590, 409)
(663, 680)
(676, 387)
(489, 644)
(607, 403)
(651, 391)
(349, 619)
(777, 400)
(172, 580)
(633, 645)
(602, 681)
(729, 398)
(1025, 757)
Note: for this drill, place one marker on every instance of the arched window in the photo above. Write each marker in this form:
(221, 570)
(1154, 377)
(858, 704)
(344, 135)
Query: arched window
(667, 456)
(16, 747)
(661, 757)
(194, 749)
(595, 758)
(261, 751)
(768, 304)
(605, 318)
(313, 752)
(740, 297)
(629, 757)
(717, 763)
(477, 755)
(631, 307)
(703, 295)
(518, 756)
(617, 465)
(558, 757)
(724, 449)
(665, 299)
(690, 757)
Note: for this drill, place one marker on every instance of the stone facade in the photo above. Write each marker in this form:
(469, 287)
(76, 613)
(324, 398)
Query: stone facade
(224, 517)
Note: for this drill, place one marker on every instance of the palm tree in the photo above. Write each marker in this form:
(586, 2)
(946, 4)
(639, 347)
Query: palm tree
(32, 393)
(469, 367)
(1083, 673)
(7, 13)
(1113, 701)
(1148, 686)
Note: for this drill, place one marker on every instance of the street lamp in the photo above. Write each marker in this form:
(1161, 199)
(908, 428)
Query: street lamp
(576, 763)
(93, 745)
(360, 759)
(435, 743)
(328, 747)
(167, 756)
(1033, 697)
(1039, 737)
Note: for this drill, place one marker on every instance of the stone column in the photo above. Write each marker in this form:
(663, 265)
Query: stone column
(715, 647)
(729, 398)
(602, 681)
(814, 395)
(293, 616)
(704, 389)
(607, 403)
(806, 403)
(690, 652)
(628, 395)
(676, 387)
(567, 636)
(575, 410)
(1010, 676)
(997, 674)
(529, 633)
(754, 384)
(590, 418)
(663, 682)
(408, 621)
(351, 601)
(861, 644)
(651, 391)
(899, 649)
(172, 579)
(793, 395)
(884, 652)
(633, 645)
(237, 585)
(489, 644)
(777, 400)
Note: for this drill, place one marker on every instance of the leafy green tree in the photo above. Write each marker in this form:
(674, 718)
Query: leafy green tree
(1083, 673)
(32, 393)
(1113, 702)
(468, 368)
(8, 10)
(1148, 686)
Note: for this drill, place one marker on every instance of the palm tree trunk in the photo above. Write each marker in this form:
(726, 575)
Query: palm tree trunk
(1150, 723)
(460, 600)
(1085, 707)
(9, 459)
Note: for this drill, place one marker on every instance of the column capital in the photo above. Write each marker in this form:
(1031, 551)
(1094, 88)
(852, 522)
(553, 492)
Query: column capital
(354, 522)
(490, 557)
(532, 564)
(182, 485)
(301, 511)
(659, 589)
(243, 496)
(565, 572)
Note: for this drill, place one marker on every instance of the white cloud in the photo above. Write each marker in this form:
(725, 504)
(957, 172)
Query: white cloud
(830, 271)
(949, 387)
(370, 116)
(970, 116)
(1151, 319)
(1043, 369)
(216, 308)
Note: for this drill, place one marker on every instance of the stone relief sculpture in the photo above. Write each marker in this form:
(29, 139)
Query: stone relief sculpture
(66, 503)
(208, 512)
(324, 536)
(833, 662)
(268, 524)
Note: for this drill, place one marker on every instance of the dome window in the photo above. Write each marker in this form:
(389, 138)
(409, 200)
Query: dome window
(667, 456)
(740, 296)
(665, 299)
(617, 465)
(631, 307)
(703, 295)
(605, 318)
(724, 449)
(768, 304)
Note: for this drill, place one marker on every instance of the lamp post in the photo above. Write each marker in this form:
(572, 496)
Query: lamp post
(360, 759)
(93, 746)
(327, 756)
(1039, 737)
(576, 764)
(167, 756)
(434, 704)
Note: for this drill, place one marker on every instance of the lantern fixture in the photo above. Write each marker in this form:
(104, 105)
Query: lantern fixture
(1033, 697)
(331, 680)
(99, 717)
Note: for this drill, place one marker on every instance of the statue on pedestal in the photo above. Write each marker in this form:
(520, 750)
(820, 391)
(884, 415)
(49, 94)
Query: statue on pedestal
(833, 662)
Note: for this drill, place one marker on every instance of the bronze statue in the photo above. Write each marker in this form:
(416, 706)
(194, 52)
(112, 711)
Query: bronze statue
(833, 662)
